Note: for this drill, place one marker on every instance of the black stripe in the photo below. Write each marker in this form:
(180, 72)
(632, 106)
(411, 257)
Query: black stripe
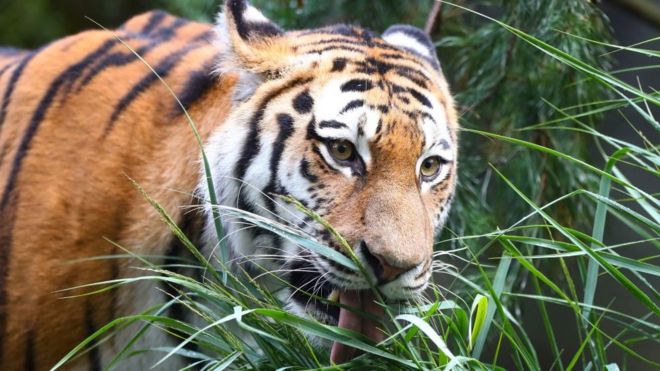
(252, 144)
(338, 266)
(332, 124)
(373, 66)
(379, 126)
(246, 205)
(7, 219)
(30, 353)
(413, 75)
(311, 130)
(352, 104)
(285, 123)
(338, 64)
(303, 102)
(166, 32)
(199, 82)
(162, 70)
(338, 29)
(12, 85)
(382, 108)
(70, 73)
(304, 171)
(119, 59)
(206, 36)
(3, 151)
(414, 288)
(335, 47)
(9, 64)
(427, 116)
(358, 85)
(93, 354)
(353, 41)
(249, 29)
(156, 18)
(420, 97)
(396, 56)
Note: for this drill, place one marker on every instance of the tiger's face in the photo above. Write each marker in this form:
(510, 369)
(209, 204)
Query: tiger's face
(373, 155)
(359, 128)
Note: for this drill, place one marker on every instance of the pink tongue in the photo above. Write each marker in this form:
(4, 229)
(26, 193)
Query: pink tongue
(361, 300)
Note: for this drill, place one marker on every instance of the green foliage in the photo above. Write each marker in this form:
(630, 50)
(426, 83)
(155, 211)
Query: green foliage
(502, 84)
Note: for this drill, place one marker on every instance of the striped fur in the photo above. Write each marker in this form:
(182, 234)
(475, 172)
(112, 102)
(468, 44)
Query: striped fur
(81, 115)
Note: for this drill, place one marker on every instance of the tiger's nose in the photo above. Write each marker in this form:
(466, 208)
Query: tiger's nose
(383, 270)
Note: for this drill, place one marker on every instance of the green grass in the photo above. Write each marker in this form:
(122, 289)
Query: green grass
(470, 317)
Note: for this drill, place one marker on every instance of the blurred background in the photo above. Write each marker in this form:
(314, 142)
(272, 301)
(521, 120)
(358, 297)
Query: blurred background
(502, 85)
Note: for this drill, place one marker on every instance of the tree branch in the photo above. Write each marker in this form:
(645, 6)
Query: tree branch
(433, 16)
(647, 9)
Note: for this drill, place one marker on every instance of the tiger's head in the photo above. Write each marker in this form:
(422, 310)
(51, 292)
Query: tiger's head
(358, 127)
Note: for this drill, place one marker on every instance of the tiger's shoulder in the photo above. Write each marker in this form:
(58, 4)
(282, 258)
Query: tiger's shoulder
(77, 117)
(109, 63)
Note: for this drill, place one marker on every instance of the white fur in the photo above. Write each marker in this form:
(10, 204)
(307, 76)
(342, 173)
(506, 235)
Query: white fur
(251, 14)
(228, 62)
(404, 40)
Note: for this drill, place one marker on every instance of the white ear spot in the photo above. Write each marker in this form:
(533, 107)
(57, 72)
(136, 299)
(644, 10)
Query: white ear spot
(413, 40)
(406, 41)
(252, 14)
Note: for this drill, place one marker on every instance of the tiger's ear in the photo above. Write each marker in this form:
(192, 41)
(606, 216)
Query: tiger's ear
(413, 40)
(250, 45)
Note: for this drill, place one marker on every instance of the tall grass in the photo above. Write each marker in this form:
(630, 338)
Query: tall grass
(470, 318)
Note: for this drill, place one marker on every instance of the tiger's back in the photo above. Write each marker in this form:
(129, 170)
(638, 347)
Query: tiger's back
(77, 117)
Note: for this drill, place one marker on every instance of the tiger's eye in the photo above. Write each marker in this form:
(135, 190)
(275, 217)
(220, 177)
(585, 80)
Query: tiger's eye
(342, 150)
(430, 167)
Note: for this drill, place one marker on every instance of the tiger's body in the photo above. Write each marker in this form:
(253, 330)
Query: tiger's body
(58, 147)
(82, 115)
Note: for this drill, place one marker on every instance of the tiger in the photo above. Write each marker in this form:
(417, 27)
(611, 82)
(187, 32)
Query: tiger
(359, 128)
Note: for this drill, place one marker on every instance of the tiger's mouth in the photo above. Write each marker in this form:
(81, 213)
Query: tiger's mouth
(364, 301)
(355, 310)
(352, 309)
